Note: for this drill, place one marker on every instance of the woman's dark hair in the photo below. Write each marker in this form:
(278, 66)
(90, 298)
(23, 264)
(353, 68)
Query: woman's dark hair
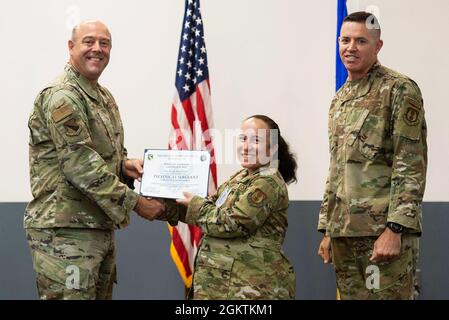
(287, 160)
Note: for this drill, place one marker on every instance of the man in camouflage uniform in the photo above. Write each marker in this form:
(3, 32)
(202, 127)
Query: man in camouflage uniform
(371, 210)
(81, 179)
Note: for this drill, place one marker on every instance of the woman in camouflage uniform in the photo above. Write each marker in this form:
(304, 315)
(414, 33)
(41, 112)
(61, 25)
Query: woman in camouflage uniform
(245, 222)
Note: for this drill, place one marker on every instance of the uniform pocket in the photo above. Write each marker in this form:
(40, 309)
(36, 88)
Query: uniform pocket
(355, 130)
(367, 134)
(212, 275)
(62, 272)
(104, 134)
(265, 244)
(44, 175)
(217, 261)
(396, 275)
(274, 266)
(108, 125)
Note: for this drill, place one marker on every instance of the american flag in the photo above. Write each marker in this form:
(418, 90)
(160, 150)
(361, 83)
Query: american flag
(191, 118)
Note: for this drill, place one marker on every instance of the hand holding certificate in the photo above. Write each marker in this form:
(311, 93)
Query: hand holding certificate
(167, 173)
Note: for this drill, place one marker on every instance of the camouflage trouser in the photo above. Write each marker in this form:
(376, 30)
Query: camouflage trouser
(359, 278)
(73, 263)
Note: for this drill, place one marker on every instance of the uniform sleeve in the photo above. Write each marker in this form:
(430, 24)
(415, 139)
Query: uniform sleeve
(124, 178)
(248, 212)
(81, 165)
(410, 157)
(322, 217)
(175, 212)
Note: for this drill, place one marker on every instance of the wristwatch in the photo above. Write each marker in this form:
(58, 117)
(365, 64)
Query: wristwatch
(395, 227)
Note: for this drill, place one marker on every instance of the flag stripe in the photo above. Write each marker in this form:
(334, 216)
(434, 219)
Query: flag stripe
(203, 107)
(180, 246)
(195, 235)
(174, 252)
(179, 140)
(188, 112)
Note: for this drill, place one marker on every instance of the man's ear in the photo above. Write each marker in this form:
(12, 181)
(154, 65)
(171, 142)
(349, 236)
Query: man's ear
(70, 45)
(379, 45)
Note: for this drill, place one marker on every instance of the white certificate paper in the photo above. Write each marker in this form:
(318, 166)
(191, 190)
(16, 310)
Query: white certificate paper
(167, 173)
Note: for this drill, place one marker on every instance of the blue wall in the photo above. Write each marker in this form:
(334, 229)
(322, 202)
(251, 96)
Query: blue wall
(146, 271)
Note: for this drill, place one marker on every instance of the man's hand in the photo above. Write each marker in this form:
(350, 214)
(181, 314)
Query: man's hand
(149, 209)
(133, 168)
(387, 246)
(324, 250)
(186, 200)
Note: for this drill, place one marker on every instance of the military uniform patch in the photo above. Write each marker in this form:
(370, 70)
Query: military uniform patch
(256, 198)
(72, 127)
(411, 116)
(61, 113)
(242, 187)
(410, 119)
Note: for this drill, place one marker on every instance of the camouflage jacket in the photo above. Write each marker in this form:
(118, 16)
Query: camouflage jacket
(243, 225)
(75, 154)
(377, 174)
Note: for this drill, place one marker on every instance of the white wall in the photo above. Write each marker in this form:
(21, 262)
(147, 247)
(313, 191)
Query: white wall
(265, 56)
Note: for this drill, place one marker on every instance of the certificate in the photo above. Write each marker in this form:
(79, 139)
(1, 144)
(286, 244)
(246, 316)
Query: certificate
(167, 173)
